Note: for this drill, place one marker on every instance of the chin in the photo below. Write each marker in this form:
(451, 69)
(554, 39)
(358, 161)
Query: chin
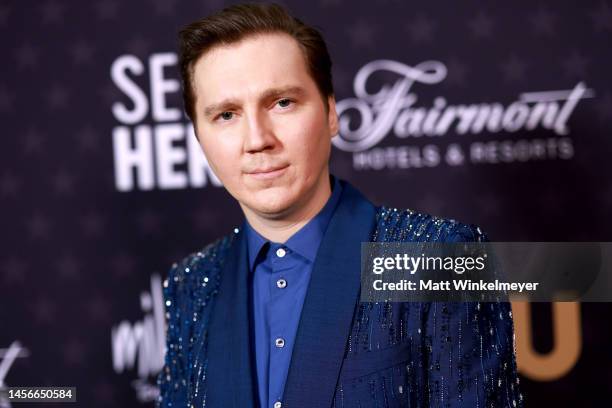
(272, 208)
(272, 205)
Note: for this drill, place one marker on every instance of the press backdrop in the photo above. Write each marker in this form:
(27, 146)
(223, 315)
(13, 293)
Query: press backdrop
(102, 184)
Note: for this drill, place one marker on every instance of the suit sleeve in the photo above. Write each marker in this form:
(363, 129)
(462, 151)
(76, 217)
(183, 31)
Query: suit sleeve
(172, 380)
(469, 349)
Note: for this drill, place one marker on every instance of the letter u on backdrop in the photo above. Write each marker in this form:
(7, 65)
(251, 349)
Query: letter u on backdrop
(567, 341)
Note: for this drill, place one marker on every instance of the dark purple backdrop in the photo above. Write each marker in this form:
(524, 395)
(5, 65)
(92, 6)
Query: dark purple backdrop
(78, 252)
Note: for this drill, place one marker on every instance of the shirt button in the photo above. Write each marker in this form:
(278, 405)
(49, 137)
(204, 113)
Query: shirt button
(280, 252)
(278, 404)
(280, 342)
(281, 283)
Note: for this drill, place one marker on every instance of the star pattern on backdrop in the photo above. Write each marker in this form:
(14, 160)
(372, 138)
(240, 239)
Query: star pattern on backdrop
(139, 45)
(93, 224)
(33, 141)
(575, 65)
(421, 29)
(149, 222)
(204, 219)
(38, 226)
(76, 248)
(104, 392)
(87, 139)
(123, 265)
(109, 93)
(362, 34)
(52, 12)
(457, 72)
(44, 310)
(601, 16)
(9, 185)
(14, 271)
(7, 99)
(165, 8)
(543, 21)
(330, 3)
(106, 9)
(57, 97)
(74, 352)
(64, 183)
(481, 25)
(68, 267)
(82, 52)
(100, 309)
(603, 107)
(27, 56)
(5, 11)
(513, 68)
(489, 205)
(342, 80)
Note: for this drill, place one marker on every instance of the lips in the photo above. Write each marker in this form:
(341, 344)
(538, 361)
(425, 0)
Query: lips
(268, 173)
(266, 169)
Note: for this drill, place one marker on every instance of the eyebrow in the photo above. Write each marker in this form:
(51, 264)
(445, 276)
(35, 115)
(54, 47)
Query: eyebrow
(267, 94)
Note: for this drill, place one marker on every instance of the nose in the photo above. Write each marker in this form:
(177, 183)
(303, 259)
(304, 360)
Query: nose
(259, 134)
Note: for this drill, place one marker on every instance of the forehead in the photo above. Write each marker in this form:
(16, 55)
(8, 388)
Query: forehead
(249, 67)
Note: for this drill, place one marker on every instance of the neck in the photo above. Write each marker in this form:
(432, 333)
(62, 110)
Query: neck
(280, 227)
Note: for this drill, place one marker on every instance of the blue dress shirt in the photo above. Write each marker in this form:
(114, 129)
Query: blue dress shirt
(281, 273)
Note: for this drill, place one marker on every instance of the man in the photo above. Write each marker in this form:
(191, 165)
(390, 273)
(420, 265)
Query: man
(269, 315)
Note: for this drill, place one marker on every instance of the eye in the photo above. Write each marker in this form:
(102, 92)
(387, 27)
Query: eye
(226, 116)
(284, 103)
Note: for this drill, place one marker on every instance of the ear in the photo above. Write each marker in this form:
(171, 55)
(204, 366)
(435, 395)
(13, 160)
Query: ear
(332, 116)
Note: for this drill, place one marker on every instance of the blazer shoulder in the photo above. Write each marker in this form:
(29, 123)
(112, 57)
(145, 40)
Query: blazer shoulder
(407, 225)
(200, 267)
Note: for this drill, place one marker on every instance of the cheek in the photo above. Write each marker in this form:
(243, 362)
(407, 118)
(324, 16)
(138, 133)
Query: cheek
(220, 156)
(310, 139)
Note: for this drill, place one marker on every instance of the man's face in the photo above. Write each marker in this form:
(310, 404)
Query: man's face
(262, 123)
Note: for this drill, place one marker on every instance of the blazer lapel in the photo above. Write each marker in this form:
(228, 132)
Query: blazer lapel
(230, 365)
(330, 303)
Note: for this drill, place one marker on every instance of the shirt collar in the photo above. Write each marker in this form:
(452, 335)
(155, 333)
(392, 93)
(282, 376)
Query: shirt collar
(306, 241)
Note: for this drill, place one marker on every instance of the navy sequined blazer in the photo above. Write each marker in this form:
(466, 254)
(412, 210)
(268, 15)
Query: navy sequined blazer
(347, 353)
